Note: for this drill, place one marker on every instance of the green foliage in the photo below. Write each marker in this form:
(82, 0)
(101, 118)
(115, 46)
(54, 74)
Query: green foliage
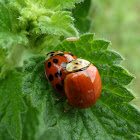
(30, 24)
(51, 134)
(62, 3)
(33, 20)
(7, 36)
(3, 55)
(30, 118)
(36, 19)
(12, 104)
(82, 21)
(112, 21)
(5, 20)
(7, 39)
(112, 117)
(47, 45)
(33, 71)
(28, 109)
(58, 24)
(4, 134)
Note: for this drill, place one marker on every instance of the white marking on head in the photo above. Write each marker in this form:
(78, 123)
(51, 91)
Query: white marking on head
(77, 64)
(51, 54)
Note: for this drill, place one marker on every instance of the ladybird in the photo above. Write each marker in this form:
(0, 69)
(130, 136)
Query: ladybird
(83, 84)
(55, 66)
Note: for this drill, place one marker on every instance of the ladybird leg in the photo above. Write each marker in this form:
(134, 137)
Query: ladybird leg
(57, 99)
(67, 106)
(43, 76)
(64, 69)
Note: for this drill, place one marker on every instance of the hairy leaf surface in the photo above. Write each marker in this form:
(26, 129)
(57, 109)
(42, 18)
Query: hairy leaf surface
(63, 3)
(112, 117)
(11, 104)
(7, 36)
(60, 23)
(82, 20)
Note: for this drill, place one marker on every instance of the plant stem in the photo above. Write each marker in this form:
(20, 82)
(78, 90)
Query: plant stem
(16, 56)
(14, 59)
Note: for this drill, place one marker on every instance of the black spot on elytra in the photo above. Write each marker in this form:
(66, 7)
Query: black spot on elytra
(58, 74)
(55, 61)
(50, 77)
(49, 64)
(59, 87)
(61, 54)
(62, 82)
(64, 65)
(71, 54)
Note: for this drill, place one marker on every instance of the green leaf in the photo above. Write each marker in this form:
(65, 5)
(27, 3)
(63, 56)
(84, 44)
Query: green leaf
(7, 36)
(96, 51)
(7, 39)
(30, 122)
(112, 117)
(60, 23)
(12, 104)
(63, 3)
(46, 43)
(3, 54)
(19, 3)
(33, 71)
(51, 134)
(118, 72)
(99, 122)
(81, 15)
(35, 19)
(4, 135)
(5, 20)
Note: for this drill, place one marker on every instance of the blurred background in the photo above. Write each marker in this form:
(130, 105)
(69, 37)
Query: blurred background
(119, 22)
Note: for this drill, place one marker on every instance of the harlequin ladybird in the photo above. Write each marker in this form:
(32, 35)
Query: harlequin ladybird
(82, 84)
(54, 68)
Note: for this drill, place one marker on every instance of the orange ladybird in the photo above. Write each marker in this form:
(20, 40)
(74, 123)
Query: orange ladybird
(83, 84)
(54, 68)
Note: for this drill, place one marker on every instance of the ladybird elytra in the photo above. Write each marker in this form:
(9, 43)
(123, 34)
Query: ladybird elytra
(55, 66)
(82, 86)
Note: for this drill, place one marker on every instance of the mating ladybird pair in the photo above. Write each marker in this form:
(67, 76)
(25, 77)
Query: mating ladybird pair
(76, 78)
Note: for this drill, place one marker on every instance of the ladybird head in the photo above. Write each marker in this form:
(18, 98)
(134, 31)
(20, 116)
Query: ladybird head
(51, 54)
(77, 64)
